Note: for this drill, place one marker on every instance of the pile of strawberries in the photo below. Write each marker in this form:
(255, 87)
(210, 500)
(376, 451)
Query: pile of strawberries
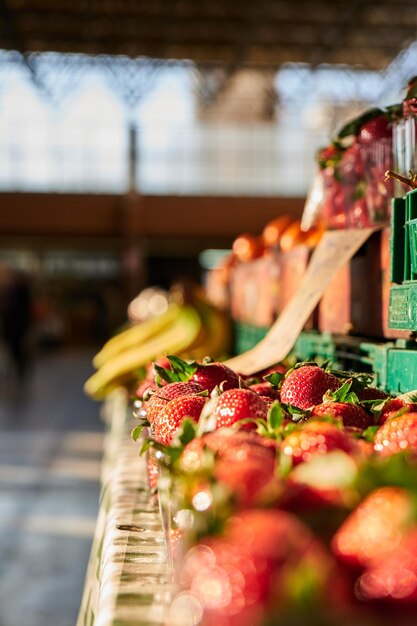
(293, 494)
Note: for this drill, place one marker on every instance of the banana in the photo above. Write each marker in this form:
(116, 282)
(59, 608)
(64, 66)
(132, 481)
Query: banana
(135, 335)
(215, 341)
(120, 370)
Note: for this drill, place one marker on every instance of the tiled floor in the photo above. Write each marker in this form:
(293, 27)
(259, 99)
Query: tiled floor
(50, 451)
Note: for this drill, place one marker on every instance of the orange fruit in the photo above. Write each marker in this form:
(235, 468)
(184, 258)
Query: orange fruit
(247, 247)
(292, 236)
(313, 236)
(272, 232)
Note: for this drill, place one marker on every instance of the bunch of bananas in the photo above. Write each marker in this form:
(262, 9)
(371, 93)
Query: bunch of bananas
(192, 330)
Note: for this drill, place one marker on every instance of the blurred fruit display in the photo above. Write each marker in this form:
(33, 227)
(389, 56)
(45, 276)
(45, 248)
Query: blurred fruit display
(264, 272)
(352, 168)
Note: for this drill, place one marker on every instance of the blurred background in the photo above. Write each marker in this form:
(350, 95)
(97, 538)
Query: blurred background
(137, 140)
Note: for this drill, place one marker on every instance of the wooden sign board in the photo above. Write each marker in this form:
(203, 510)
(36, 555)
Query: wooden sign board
(335, 249)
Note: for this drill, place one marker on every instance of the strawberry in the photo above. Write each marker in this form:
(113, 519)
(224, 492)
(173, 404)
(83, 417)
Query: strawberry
(215, 374)
(375, 526)
(169, 418)
(149, 384)
(315, 437)
(392, 406)
(244, 577)
(237, 404)
(245, 461)
(305, 386)
(162, 396)
(351, 414)
(397, 434)
(359, 215)
(265, 389)
(145, 387)
(371, 393)
(392, 577)
(377, 128)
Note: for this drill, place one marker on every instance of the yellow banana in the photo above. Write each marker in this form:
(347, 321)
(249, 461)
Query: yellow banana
(135, 335)
(120, 370)
(216, 339)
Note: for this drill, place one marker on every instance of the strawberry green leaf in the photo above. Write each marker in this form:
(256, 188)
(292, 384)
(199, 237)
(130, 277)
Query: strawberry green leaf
(183, 367)
(276, 416)
(359, 379)
(377, 406)
(187, 433)
(275, 379)
(297, 414)
(369, 433)
(146, 445)
(284, 465)
(289, 428)
(136, 432)
(162, 373)
(181, 371)
(340, 394)
(343, 394)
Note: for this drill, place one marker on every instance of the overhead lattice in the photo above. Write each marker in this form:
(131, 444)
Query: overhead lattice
(366, 33)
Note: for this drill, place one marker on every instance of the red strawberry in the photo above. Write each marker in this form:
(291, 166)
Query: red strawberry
(145, 386)
(213, 375)
(375, 526)
(392, 577)
(391, 407)
(169, 418)
(149, 382)
(305, 386)
(397, 434)
(265, 389)
(241, 578)
(315, 437)
(245, 461)
(163, 395)
(236, 404)
(351, 414)
(371, 393)
(162, 361)
(377, 128)
(359, 215)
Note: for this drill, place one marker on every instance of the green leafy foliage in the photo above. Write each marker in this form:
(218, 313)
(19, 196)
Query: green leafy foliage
(181, 371)
(275, 379)
(343, 394)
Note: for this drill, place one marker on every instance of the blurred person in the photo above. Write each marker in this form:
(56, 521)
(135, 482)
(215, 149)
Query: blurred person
(16, 317)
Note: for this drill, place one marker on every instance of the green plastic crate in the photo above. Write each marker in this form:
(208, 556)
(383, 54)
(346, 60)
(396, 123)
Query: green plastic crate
(247, 336)
(403, 294)
(394, 364)
(314, 346)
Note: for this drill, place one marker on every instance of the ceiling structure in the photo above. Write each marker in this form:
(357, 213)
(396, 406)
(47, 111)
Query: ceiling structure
(235, 33)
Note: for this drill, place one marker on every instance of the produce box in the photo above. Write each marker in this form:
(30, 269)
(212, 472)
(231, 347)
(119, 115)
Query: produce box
(403, 294)
(260, 289)
(255, 290)
(394, 364)
(353, 303)
(294, 264)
